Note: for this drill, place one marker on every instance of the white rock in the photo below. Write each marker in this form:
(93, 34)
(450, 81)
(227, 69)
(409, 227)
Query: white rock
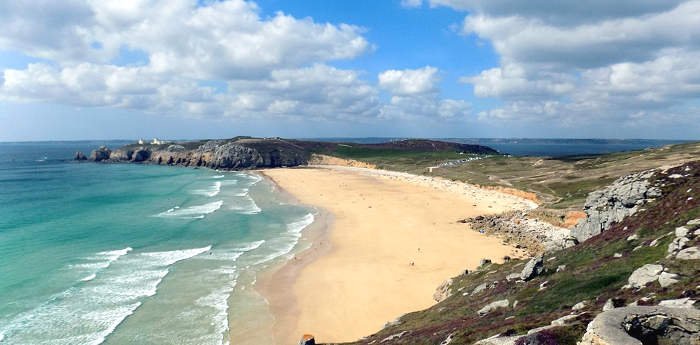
(677, 244)
(695, 221)
(667, 279)
(479, 288)
(632, 237)
(513, 276)
(617, 255)
(681, 231)
(504, 303)
(579, 305)
(608, 305)
(564, 320)
(498, 340)
(692, 253)
(678, 303)
(644, 275)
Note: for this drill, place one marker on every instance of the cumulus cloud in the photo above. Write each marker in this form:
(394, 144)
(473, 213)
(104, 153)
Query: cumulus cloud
(317, 91)
(414, 93)
(226, 39)
(410, 81)
(212, 58)
(570, 60)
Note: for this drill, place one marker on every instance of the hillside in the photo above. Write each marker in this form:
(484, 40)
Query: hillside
(560, 183)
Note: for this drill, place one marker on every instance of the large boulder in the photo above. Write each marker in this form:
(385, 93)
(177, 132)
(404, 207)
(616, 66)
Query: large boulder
(101, 154)
(644, 325)
(533, 268)
(644, 275)
(692, 253)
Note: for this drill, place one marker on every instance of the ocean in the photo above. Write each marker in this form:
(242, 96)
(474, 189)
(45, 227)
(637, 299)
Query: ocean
(133, 254)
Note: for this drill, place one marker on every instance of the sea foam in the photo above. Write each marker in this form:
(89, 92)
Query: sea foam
(192, 212)
(211, 191)
(285, 242)
(245, 205)
(88, 313)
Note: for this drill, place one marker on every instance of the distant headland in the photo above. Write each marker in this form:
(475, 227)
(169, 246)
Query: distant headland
(252, 153)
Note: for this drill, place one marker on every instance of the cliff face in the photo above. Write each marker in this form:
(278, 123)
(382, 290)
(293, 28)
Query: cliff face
(232, 154)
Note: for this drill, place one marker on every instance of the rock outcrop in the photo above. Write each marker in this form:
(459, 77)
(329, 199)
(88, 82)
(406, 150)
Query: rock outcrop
(79, 156)
(443, 291)
(232, 154)
(533, 268)
(528, 232)
(615, 202)
(101, 154)
(644, 325)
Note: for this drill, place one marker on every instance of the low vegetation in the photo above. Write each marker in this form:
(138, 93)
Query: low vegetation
(561, 183)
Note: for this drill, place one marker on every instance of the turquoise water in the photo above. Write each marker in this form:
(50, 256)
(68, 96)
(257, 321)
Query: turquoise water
(125, 254)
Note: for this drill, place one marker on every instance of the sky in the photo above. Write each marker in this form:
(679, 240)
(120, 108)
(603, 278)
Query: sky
(190, 69)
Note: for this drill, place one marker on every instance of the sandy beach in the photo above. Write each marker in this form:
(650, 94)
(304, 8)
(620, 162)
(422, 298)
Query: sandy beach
(389, 240)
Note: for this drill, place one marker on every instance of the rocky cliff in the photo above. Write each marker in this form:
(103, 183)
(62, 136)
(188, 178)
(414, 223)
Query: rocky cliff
(234, 154)
(613, 203)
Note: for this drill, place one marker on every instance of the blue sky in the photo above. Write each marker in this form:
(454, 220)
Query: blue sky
(434, 68)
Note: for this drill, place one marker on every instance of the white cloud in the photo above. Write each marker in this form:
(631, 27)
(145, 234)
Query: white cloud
(415, 94)
(564, 12)
(411, 3)
(319, 91)
(628, 61)
(410, 81)
(222, 40)
(261, 66)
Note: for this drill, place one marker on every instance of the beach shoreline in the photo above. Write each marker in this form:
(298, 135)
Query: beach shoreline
(324, 286)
